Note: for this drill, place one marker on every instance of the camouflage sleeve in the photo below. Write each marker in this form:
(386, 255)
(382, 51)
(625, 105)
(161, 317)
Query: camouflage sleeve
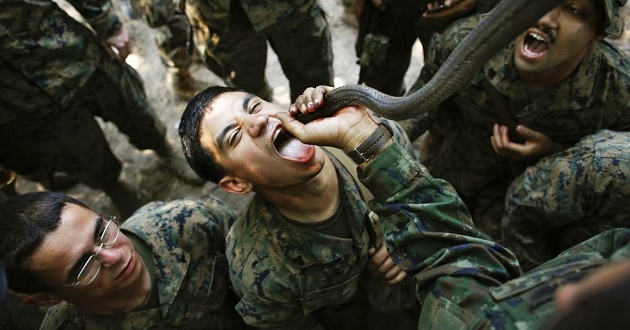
(581, 191)
(427, 227)
(63, 316)
(401, 137)
(101, 14)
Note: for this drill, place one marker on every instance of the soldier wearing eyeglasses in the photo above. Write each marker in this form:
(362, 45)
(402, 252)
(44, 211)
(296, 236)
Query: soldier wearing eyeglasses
(164, 267)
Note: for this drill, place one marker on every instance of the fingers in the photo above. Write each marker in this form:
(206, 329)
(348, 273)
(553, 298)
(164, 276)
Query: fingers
(381, 263)
(377, 257)
(310, 100)
(118, 46)
(398, 277)
(291, 124)
(500, 138)
(449, 9)
(529, 134)
(110, 51)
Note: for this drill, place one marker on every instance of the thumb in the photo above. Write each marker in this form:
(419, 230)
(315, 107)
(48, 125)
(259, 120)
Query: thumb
(290, 124)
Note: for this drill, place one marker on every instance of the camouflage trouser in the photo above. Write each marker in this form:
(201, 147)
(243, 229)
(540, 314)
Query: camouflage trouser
(568, 197)
(400, 22)
(234, 51)
(70, 140)
(172, 27)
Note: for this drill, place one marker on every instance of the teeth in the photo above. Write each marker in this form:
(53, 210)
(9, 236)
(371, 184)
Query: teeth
(536, 36)
(275, 136)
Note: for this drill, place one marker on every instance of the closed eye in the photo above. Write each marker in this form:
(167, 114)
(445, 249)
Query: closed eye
(234, 136)
(256, 107)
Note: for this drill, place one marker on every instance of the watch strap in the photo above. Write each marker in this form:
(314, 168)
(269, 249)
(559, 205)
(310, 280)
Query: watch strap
(365, 150)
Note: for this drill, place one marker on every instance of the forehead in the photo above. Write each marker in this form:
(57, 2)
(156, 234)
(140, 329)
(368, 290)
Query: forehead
(223, 111)
(59, 246)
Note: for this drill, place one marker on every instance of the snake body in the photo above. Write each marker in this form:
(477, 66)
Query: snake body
(503, 24)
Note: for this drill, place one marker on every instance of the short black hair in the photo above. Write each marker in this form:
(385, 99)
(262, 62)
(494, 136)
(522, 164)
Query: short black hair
(25, 220)
(201, 160)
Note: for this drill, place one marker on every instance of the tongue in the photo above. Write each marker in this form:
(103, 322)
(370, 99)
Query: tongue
(536, 46)
(291, 148)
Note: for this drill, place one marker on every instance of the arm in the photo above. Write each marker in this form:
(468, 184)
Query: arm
(427, 228)
(102, 17)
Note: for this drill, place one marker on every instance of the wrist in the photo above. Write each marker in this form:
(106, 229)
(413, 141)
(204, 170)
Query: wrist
(370, 146)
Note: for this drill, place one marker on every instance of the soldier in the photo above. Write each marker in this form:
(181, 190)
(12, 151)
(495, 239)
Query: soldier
(164, 267)
(232, 39)
(58, 75)
(465, 280)
(559, 78)
(301, 253)
(568, 197)
(393, 27)
(172, 38)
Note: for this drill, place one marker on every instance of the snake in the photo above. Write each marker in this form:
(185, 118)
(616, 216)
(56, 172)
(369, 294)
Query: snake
(498, 29)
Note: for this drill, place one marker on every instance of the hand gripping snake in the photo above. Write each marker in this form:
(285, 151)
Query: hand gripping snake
(503, 24)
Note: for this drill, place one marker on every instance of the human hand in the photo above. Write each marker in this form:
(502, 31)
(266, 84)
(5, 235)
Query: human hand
(345, 129)
(536, 144)
(381, 263)
(118, 46)
(451, 9)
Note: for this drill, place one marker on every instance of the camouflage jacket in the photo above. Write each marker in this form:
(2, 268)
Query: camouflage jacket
(186, 238)
(284, 272)
(569, 197)
(42, 49)
(466, 281)
(595, 96)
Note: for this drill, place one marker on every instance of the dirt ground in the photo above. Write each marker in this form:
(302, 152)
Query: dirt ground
(143, 170)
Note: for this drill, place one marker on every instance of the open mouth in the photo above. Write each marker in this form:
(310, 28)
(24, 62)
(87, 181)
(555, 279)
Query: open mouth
(290, 147)
(535, 44)
(281, 139)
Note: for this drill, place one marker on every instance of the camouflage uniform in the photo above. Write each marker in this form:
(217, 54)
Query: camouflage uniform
(232, 37)
(173, 29)
(186, 239)
(466, 281)
(568, 197)
(55, 79)
(293, 277)
(402, 23)
(457, 148)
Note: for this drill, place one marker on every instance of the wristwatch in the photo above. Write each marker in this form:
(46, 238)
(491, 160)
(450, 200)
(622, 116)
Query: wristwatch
(365, 150)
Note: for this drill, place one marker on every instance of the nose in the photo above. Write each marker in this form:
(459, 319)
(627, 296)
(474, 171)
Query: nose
(254, 124)
(550, 19)
(109, 256)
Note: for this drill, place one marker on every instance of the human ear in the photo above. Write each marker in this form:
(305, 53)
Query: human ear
(41, 299)
(235, 185)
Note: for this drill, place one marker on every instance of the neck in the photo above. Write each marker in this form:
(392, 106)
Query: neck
(310, 202)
